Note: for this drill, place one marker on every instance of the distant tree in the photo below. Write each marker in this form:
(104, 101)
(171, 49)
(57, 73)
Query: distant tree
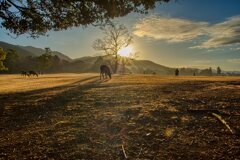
(29, 63)
(36, 17)
(116, 38)
(12, 60)
(56, 62)
(219, 71)
(210, 71)
(206, 72)
(194, 74)
(45, 61)
(176, 72)
(48, 50)
(2, 58)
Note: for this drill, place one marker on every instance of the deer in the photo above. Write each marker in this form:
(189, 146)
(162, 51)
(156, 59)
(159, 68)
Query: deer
(33, 73)
(105, 71)
(24, 74)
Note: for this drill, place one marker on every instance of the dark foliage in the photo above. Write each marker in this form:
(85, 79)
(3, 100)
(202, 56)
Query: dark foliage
(176, 72)
(219, 71)
(46, 63)
(2, 58)
(36, 17)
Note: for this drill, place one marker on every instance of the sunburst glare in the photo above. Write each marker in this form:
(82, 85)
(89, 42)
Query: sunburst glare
(126, 51)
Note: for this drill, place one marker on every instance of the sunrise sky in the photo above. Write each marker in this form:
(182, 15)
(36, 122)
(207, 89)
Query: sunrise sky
(183, 33)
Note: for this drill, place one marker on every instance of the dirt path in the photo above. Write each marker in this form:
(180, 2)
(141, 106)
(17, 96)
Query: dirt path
(92, 119)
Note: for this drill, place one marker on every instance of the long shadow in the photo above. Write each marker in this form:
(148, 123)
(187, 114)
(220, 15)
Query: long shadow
(45, 89)
(20, 109)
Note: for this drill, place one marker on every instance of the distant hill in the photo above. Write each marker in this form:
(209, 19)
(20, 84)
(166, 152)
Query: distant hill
(39, 51)
(22, 52)
(25, 51)
(91, 64)
(148, 67)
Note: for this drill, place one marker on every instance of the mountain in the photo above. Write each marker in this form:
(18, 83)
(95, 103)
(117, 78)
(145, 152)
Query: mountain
(39, 51)
(148, 67)
(25, 51)
(22, 52)
(91, 64)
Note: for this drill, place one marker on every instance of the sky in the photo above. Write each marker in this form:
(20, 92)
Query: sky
(182, 33)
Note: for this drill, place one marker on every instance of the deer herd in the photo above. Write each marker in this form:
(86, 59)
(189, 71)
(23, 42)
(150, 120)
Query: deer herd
(105, 72)
(29, 74)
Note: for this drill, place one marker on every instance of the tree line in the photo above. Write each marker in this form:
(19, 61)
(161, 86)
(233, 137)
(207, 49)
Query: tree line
(195, 72)
(12, 62)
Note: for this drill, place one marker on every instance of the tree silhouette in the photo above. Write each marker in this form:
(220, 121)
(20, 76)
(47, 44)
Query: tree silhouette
(206, 72)
(36, 17)
(45, 60)
(2, 58)
(12, 60)
(176, 72)
(210, 71)
(219, 70)
(116, 38)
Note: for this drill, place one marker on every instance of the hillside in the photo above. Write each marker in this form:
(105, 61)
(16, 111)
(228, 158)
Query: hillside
(22, 52)
(39, 51)
(25, 51)
(91, 64)
(148, 67)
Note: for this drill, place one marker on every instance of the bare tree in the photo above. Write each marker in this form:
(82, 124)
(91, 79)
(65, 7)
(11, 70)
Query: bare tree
(116, 37)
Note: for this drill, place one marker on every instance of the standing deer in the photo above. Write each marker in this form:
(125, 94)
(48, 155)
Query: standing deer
(105, 71)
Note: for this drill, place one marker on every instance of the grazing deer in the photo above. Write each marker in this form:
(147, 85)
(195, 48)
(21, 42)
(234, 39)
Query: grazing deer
(24, 74)
(105, 71)
(33, 73)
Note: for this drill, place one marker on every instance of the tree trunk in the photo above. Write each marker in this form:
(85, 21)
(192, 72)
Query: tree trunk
(116, 64)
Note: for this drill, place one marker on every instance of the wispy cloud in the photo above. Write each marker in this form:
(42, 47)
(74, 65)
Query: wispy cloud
(169, 29)
(222, 34)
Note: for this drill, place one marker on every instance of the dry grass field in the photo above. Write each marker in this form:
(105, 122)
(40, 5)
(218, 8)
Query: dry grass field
(78, 116)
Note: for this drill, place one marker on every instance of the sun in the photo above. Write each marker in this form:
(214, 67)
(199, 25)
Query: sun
(126, 51)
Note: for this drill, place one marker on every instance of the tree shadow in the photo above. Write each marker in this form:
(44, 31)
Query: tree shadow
(20, 109)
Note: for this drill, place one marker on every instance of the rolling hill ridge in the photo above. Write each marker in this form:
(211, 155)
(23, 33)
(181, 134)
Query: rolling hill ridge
(89, 63)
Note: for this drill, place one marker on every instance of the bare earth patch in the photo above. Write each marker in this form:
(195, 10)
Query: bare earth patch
(77, 116)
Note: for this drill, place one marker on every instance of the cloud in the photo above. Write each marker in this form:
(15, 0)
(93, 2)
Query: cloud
(236, 61)
(221, 34)
(169, 29)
